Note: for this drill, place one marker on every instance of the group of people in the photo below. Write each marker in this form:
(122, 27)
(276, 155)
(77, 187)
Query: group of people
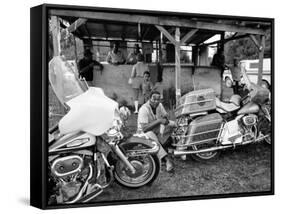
(152, 116)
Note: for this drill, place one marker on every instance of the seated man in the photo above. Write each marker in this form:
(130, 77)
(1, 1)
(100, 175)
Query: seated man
(151, 117)
(115, 56)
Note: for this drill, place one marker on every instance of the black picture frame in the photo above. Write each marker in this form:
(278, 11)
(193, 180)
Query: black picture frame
(40, 110)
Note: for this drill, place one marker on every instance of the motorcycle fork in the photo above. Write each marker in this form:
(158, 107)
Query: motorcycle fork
(123, 157)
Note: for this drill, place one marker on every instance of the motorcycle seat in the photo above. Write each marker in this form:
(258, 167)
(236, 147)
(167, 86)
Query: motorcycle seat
(224, 107)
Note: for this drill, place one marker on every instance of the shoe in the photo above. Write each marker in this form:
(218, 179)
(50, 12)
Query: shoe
(136, 112)
(169, 165)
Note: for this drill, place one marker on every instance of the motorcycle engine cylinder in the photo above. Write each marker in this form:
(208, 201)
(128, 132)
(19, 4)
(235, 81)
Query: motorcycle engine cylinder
(249, 120)
(68, 165)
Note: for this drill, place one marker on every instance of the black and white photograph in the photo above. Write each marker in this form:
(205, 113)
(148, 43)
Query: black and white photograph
(150, 106)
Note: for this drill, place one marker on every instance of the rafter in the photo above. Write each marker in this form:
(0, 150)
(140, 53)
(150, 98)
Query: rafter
(163, 21)
(188, 36)
(167, 34)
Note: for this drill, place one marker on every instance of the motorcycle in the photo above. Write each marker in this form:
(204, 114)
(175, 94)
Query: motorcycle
(206, 125)
(87, 150)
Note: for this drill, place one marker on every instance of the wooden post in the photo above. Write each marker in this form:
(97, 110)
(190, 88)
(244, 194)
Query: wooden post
(157, 48)
(261, 54)
(222, 69)
(178, 65)
(160, 48)
(55, 28)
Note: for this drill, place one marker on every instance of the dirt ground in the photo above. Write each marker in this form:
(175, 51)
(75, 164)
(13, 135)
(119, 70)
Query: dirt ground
(245, 169)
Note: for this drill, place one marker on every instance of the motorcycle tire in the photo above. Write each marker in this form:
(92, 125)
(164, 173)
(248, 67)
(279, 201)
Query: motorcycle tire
(126, 178)
(206, 156)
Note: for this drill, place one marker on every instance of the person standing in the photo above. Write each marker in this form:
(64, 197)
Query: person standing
(86, 66)
(151, 116)
(146, 86)
(115, 56)
(137, 79)
(219, 60)
(236, 75)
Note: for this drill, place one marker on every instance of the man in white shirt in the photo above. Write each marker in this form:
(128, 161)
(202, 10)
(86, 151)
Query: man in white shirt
(115, 56)
(151, 116)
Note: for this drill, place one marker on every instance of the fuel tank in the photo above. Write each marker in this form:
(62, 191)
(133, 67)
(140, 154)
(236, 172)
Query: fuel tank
(249, 108)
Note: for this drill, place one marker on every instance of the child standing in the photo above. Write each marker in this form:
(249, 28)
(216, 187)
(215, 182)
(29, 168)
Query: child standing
(146, 86)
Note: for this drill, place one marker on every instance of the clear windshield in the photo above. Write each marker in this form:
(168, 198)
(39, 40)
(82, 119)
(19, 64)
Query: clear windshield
(64, 80)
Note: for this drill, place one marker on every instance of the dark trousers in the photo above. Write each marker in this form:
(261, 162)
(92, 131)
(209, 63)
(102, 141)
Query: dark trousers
(236, 87)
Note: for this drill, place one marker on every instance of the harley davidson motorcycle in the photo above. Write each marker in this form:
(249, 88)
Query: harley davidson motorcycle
(206, 125)
(87, 149)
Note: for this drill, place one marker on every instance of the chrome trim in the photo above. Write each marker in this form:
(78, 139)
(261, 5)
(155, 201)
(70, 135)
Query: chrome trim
(82, 190)
(152, 150)
(120, 154)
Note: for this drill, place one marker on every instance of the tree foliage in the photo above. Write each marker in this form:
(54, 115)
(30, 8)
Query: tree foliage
(245, 49)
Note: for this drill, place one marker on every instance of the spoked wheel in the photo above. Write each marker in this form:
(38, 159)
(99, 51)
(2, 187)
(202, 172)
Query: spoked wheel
(147, 169)
(205, 156)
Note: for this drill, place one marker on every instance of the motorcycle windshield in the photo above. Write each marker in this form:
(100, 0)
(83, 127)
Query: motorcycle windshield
(92, 112)
(64, 80)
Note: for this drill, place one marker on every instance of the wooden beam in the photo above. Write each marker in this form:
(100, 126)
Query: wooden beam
(261, 54)
(164, 21)
(139, 32)
(178, 65)
(167, 34)
(256, 42)
(76, 24)
(188, 36)
(171, 31)
(55, 29)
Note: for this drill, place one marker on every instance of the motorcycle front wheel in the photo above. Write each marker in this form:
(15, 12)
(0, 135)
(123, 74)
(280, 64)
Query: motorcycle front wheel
(147, 170)
(205, 156)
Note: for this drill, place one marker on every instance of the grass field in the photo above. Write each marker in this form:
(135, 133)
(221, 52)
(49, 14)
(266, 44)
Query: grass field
(245, 169)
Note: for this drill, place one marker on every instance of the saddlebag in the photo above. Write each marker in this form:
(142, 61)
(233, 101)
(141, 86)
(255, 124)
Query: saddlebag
(196, 101)
(204, 129)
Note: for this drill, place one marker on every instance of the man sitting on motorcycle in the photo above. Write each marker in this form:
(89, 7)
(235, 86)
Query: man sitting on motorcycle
(153, 121)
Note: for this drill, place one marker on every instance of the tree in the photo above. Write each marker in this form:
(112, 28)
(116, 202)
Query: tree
(245, 48)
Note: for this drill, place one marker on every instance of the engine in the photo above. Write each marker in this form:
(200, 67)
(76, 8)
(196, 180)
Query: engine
(68, 173)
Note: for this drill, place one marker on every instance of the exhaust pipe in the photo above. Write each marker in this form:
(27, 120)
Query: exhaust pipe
(179, 153)
(183, 152)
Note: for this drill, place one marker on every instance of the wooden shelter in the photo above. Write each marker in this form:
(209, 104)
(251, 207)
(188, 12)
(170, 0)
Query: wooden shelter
(100, 24)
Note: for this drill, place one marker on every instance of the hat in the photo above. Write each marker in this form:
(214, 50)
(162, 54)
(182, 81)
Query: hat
(88, 52)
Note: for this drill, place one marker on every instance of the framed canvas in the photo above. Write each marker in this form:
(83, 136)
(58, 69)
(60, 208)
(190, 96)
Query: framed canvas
(133, 106)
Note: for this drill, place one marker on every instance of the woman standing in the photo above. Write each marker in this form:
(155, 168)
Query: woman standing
(137, 79)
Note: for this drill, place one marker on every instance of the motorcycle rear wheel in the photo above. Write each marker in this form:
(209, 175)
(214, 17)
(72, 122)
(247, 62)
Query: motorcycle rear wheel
(147, 170)
(205, 156)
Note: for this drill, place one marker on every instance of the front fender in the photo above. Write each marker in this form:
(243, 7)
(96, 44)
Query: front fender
(136, 145)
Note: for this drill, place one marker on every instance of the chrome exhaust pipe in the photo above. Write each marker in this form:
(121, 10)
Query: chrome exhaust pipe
(183, 152)
(83, 189)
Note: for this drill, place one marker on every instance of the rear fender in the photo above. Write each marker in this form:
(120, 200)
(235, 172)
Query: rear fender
(135, 146)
